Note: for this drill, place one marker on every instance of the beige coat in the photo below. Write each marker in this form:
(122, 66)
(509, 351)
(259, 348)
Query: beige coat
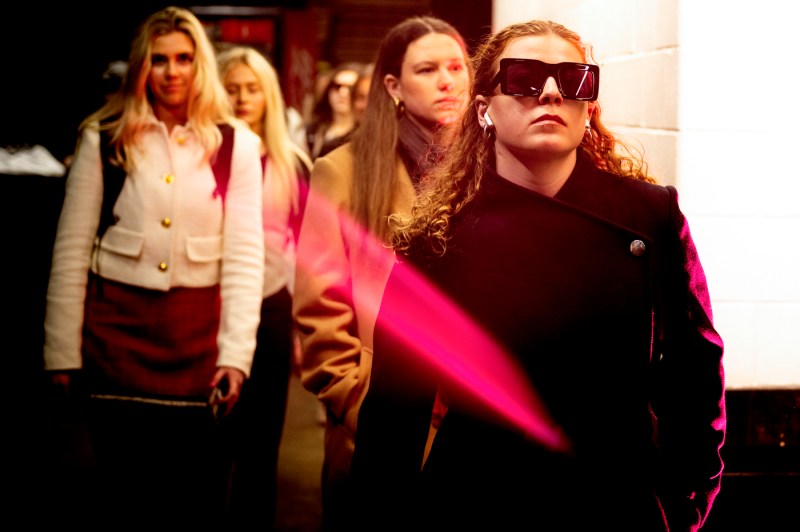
(339, 284)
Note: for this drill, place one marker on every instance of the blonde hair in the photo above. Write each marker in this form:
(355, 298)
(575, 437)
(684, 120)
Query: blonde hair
(126, 113)
(453, 183)
(284, 155)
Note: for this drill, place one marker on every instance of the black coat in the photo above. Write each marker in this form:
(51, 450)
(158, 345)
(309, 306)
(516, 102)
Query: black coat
(599, 297)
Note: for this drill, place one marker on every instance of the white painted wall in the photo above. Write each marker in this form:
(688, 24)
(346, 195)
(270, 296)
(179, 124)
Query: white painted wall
(697, 85)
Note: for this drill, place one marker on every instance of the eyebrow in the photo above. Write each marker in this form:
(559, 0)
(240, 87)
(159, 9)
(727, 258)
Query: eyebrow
(432, 62)
(183, 54)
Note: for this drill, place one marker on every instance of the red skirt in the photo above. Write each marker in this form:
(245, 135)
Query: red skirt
(142, 341)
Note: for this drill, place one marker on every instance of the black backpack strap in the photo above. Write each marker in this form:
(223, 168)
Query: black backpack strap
(113, 179)
(221, 165)
(114, 176)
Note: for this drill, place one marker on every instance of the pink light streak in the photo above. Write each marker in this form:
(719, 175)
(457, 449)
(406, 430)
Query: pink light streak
(470, 357)
(445, 337)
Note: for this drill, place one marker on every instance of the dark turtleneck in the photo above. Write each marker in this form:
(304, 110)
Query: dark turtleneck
(417, 150)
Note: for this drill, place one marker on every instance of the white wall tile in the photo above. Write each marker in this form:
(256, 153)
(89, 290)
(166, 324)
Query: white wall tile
(760, 346)
(621, 93)
(777, 363)
(659, 85)
(657, 147)
(657, 24)
(728, 68)
(728, 173)
(734, 323)
(704, 87)
(749, 259)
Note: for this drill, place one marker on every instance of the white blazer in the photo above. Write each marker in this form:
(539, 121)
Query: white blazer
(171, 231)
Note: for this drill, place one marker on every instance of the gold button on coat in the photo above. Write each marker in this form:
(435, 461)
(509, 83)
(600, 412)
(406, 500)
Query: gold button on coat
(162, 267)
(637, 248)
(169, 178)
(166, 222)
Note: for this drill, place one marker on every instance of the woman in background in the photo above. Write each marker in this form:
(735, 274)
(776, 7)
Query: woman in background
(361, 92)
(162, 306)
(418, 88)
(332, 116)
(256, 425)
(358, 99)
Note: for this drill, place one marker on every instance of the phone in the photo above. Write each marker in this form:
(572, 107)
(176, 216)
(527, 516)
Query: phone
(217, 408)
(216, 395)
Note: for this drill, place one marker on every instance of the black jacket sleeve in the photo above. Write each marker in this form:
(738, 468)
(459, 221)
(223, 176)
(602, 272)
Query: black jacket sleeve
(689, 401)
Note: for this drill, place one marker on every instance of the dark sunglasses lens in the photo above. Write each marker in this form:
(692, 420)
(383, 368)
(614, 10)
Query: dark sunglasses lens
(524, 79)
(577, 81)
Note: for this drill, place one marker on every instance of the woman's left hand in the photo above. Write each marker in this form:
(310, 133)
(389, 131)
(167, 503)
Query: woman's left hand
(228, 381)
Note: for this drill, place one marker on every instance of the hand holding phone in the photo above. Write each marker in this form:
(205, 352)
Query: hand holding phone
(227, 385)
(217, 399)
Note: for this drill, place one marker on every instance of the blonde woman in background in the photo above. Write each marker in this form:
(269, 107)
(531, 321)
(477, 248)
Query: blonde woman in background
(162, 306)
(255, 426)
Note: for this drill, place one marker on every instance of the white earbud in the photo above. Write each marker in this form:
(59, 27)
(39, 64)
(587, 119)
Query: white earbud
(488, 126)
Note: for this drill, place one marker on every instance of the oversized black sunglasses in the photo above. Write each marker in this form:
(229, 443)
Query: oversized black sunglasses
(526, 77)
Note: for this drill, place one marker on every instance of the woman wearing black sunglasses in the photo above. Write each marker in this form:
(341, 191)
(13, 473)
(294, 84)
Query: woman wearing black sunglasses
(333, 116)
(550, 293)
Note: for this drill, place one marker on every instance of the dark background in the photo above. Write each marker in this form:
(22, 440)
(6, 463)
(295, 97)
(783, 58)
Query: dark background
(53, 56)
(51, 62)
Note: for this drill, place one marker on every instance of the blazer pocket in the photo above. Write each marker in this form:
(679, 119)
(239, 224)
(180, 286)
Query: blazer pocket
(122, 242)
(204, 248)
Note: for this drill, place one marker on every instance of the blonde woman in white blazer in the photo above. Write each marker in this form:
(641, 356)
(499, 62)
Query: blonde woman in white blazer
(163, 306)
